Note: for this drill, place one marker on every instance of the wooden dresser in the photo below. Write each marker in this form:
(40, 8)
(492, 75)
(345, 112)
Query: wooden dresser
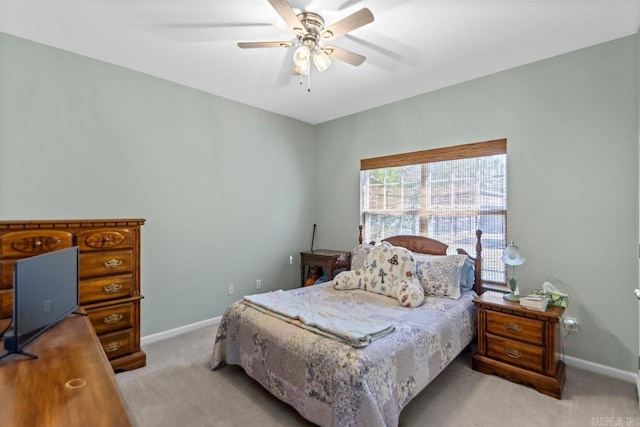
(519, 344)
(109, 275)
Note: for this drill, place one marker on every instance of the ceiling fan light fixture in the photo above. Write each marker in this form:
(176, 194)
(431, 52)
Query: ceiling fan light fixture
(303, 70)
(301, 57)
(321, 59)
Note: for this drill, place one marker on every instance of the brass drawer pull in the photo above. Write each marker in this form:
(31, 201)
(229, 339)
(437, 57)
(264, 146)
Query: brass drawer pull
(111, 288)
(513, 353)
(113, 263)
(113, 318)
(513, 327)
(112, 346)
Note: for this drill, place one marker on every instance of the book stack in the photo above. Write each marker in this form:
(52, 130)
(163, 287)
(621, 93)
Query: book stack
(534, 302)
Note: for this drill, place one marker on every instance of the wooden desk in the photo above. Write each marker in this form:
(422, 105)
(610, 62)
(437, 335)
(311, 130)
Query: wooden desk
(70, 384)
(329, 260)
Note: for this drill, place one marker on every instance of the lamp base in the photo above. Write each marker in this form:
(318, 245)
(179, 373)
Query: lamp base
(511, 297)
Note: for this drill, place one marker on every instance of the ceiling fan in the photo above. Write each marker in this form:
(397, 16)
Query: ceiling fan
(311, 33)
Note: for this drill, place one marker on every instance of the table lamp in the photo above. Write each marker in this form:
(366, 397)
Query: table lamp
(512, 256)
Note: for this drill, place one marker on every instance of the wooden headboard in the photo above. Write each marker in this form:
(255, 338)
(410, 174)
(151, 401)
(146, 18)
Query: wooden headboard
(426, 245)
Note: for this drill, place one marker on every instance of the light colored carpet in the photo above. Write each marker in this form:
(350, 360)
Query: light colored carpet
(177, 388)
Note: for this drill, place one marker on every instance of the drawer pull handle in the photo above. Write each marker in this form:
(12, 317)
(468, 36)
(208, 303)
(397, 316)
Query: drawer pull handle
(112, 346)
(111, 288)
(513, 327)
(113, 318)
(113, 263)
(513, 353)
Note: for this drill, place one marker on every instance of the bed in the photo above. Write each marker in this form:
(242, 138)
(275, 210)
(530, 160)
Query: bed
(333, 383)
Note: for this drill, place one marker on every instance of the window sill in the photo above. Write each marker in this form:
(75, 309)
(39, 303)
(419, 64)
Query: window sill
(496, 287)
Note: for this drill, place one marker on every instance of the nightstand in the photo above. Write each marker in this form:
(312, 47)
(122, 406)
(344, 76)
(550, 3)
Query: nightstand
(519, 344)
(329, 260)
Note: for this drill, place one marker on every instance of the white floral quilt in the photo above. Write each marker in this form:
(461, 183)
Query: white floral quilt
(332, 383)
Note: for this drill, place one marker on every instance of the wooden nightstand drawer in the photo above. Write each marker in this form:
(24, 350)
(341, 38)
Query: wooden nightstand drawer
(518, 344)
(514, 352)
(516, 327)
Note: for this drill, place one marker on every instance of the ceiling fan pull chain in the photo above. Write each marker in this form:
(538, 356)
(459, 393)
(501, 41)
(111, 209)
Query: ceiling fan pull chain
(309, 81)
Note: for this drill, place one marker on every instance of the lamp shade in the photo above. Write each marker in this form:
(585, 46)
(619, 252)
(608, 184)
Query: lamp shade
(512, 255)
(321, 60)
(301, 57)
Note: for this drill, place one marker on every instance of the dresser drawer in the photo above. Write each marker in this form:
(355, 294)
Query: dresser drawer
(515, 352)
(105, 239)
(112, 318)
(7, 267)
(516, 327)
(106, 288)
(6, 303)
(117, 344)
(19, 244)
(94, 264)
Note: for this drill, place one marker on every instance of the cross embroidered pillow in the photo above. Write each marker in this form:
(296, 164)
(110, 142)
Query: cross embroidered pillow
(385, 268)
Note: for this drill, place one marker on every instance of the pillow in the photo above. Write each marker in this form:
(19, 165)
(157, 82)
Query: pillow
(467, 275)
(349, 280)
(440, 275)
(385, 268)
(358, 255)
(410, 293)
(386, 265)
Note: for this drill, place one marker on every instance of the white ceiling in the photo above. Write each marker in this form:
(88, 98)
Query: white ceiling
(412, 47)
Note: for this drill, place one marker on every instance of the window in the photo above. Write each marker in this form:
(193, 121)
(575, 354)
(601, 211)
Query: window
(446, 194)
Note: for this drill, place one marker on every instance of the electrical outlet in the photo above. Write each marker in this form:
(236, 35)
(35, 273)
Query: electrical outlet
(290, 259)
(258, 283)
(571, 324)
(231, 289)
(47, 306)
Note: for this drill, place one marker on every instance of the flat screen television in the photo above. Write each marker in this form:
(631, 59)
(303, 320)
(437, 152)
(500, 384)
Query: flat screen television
(45, 291)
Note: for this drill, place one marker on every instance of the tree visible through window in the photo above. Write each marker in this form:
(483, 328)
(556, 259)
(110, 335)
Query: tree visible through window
(446, 194)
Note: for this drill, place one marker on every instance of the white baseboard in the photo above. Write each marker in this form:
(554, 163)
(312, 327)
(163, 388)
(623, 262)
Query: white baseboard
(178, 331)
(608, 371)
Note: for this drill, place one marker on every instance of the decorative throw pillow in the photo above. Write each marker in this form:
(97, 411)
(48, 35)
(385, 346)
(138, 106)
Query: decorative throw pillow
(440, 275)
(351, 279)
(410, 293)
(467, 275)
(358, 255)
(385, 267)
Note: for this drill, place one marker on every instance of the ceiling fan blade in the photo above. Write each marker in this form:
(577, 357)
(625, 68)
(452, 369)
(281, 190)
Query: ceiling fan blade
(251, 45)
(350, 23)
(286, 12)
(344, 55)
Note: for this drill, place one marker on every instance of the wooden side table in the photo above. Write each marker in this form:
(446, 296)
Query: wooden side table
(329, 260)
(519, 344)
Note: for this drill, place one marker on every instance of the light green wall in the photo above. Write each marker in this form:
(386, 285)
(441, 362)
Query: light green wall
(81, 138)
(224, 187)
(572, 141)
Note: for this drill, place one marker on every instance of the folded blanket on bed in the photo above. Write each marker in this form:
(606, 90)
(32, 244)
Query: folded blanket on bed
(329, 321)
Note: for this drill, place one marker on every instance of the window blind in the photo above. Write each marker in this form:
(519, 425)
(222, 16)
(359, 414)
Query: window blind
(446, 194)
